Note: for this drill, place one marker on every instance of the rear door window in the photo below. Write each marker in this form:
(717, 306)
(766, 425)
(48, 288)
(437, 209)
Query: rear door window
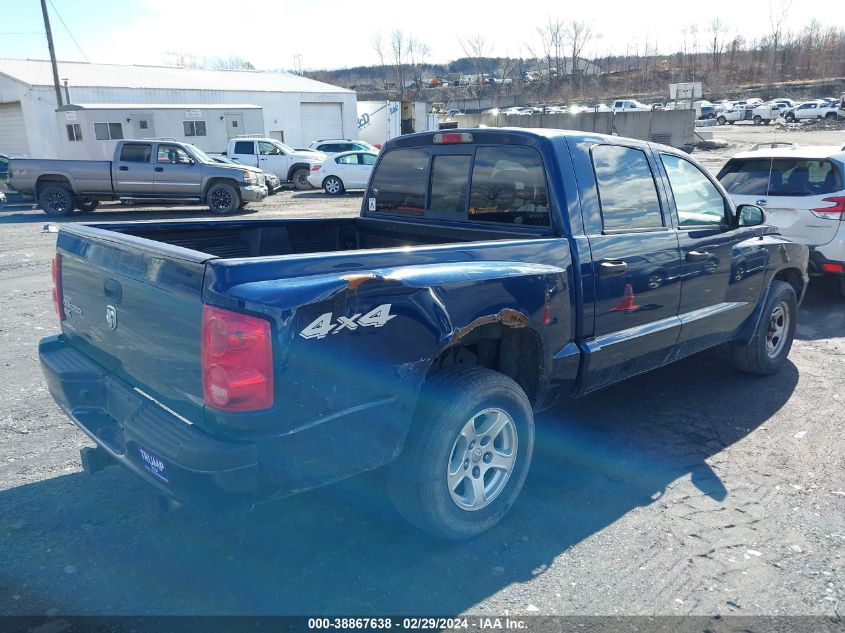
(136, 153)
(244, 147)
(627, 192)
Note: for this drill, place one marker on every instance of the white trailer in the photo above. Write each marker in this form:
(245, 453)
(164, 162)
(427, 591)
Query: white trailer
(91, 131)
(380, 121)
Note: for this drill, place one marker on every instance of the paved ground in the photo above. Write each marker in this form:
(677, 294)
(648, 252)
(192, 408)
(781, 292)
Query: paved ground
(694, 489)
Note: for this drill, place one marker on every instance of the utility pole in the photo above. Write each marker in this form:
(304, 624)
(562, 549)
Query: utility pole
(52, 54)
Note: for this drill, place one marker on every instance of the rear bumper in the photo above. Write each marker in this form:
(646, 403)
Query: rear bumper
(141, 435)
(253, 193)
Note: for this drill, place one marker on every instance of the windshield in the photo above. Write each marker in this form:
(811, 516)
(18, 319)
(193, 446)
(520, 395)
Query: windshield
(200, 155)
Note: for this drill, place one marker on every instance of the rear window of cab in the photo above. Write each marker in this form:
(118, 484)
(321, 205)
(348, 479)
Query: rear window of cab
(781, 177)
(499, 184)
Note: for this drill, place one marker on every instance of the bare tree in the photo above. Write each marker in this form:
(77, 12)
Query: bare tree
(417, 53)
(231, 63)
(476, 49)
(381, 72)
(551, 45)
(717, 43)
(577, 35)
(778, 13)
(182, 60)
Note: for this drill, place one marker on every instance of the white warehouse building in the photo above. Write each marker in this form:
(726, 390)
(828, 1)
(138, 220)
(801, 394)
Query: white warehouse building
(295, 109)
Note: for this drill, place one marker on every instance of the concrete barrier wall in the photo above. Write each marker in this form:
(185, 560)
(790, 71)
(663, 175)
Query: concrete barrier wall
(671, 127)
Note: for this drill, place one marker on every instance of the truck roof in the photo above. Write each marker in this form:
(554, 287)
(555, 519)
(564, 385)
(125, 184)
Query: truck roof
(812, 152)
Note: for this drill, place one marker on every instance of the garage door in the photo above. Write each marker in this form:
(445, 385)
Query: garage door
(321, 120)
(12, 130)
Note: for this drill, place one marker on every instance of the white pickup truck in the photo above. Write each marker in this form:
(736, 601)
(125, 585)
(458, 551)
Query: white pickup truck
(268, 154)
(764, 113)
(629, 105)
(816, 109)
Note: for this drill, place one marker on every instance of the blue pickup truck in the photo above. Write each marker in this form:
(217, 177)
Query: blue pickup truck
(491, 273)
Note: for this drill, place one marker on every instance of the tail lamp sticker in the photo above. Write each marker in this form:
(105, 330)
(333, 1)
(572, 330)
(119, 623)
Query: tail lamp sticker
(324, 324)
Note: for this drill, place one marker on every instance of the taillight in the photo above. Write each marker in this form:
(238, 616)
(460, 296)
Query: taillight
(833, 267)
(836, 212)
(315, 168)
(445, 138)
(237, 361)
(58, 298)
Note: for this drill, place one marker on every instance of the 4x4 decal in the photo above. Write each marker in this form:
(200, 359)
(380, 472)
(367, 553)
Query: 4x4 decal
(324, 324)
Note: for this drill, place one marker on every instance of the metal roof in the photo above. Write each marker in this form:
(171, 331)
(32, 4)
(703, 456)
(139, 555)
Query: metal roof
(82, 74)
(159, 106)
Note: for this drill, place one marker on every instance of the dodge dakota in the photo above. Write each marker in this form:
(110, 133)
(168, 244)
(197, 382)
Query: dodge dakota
(491, 273)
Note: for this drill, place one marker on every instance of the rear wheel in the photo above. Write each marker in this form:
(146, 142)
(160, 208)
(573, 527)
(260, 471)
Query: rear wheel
(56, 200)
(721, 120)
(300, 180)
(468, 454)
(757, 119)
(223, 198)
(790, 118)
(768, 349)
(333, 186)
(830, 115)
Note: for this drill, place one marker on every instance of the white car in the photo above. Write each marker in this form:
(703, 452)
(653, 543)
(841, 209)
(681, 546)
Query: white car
(629, 105)
(816, 109)
(338, 145)
(802, 191)
(2, 198)
(347, 170)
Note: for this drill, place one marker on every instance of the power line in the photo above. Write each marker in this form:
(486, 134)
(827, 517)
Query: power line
(61, 19)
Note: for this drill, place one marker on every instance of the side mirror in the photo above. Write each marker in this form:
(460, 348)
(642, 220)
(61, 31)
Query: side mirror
(749, 215)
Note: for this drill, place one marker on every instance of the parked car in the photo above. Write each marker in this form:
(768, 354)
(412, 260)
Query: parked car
(268, 154)
(706, 112)
(492, 273)
(271, 180)
(339, 172)
(142, 170)
(336, 146)
(816, 109)
(454, 112)
(802, 191)
(629, 105)
(2, 198)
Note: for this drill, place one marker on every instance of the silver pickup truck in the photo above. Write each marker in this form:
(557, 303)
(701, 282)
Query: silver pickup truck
(141, 171)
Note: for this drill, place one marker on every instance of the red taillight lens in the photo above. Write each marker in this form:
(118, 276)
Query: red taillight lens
(833, 267)
(237, 361)
(835, 212)
(445, 138)
(58, 298)
(315, 167)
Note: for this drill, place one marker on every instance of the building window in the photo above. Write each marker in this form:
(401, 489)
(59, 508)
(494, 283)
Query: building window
(194, 128)
(74, 132)
(108, 131)
(142, 124)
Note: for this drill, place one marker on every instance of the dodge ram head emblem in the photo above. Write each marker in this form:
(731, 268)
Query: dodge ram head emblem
(111, 317)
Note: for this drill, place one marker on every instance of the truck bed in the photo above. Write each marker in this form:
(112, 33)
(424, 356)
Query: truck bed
(287, 237)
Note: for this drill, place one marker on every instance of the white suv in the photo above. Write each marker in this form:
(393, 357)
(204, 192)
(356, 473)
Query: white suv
(802, 190)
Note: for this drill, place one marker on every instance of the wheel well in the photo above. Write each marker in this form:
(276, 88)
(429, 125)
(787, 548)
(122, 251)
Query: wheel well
(293, 169)
(793, 277)
(514, 351)
(217, 181)
(53, 179)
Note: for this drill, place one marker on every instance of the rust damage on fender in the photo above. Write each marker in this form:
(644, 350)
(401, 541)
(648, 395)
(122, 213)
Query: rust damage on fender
(356, 279)
(509, 317)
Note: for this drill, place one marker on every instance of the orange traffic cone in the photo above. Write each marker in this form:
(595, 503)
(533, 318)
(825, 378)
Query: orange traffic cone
(626, 303)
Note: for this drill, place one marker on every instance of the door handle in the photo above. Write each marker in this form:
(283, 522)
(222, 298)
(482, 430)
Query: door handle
(611, 268)
(123, 168)
(159, 168)
(697, 256)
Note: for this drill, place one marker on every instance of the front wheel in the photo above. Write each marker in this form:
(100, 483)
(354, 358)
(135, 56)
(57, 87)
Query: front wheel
(790, 118)
(757, 119)
(468, 453)
(223, 198)
(56, 200)
(721, 120)
(768, 349)
(300, 180)
(333, 186)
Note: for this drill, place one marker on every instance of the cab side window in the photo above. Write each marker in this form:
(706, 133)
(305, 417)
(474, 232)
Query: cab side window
(627, 192)
(268, 149)
(174, 155)
(697, 200)
(244, 147)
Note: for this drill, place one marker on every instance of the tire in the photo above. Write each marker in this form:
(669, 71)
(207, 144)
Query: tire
(86, 205)
(830, 115)
(768, 349)
(721, 120)
(56, 200)
(731, 122)
(333, 186)
(790, 118)
(454, 403)
(223, 198)
(757, 119)
(300, 180)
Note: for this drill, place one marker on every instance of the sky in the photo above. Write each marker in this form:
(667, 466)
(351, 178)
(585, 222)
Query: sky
(328, 34)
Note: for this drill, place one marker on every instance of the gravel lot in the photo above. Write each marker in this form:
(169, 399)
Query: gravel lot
(692, 490)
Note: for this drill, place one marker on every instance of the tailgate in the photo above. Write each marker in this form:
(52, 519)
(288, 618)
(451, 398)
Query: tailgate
(135, 306)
